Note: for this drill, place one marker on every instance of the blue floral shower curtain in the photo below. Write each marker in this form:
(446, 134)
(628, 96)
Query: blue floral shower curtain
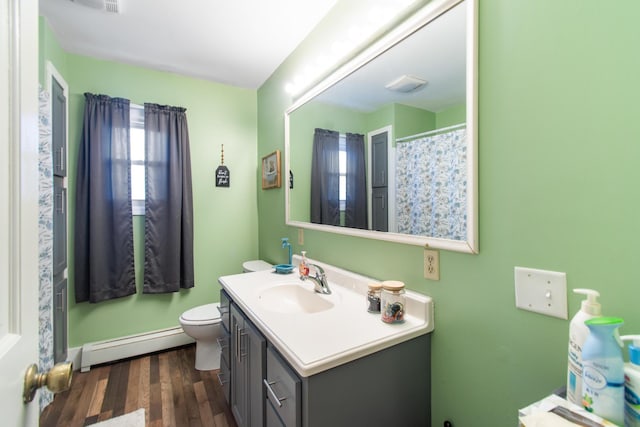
(431, 186)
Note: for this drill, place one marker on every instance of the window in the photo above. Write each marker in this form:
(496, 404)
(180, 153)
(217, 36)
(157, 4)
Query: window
(137, 159)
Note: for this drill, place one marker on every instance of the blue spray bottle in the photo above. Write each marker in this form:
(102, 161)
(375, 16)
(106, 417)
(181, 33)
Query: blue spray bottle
(603, 370)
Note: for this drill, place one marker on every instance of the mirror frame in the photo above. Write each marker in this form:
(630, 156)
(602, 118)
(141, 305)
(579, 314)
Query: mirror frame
(418, 20)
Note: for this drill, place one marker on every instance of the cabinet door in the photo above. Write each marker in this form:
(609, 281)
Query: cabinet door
(59, 226)
(379, 160)
(60, 319)
(271, 418)
(283, 390)
(223, 308)
(224, 378)
(380, 209)
(58, 129)
(239, 391)
(256, 347)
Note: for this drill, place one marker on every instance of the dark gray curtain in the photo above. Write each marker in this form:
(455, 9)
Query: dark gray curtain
(325, 178)
(104, 267)
(355, 215)
(168, 252)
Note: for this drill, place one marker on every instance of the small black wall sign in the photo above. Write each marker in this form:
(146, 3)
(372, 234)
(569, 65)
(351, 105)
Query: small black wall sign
(222, 176)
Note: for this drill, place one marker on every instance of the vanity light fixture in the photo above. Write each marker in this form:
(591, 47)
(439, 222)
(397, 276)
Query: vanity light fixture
(406, 84)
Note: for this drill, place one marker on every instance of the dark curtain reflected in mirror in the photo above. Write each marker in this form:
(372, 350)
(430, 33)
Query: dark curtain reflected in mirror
(338, 179)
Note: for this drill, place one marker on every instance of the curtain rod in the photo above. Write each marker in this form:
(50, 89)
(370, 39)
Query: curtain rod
(431, 132)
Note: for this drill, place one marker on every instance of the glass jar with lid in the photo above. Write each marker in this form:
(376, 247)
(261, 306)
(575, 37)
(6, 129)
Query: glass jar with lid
(373, 297)
(393, 301)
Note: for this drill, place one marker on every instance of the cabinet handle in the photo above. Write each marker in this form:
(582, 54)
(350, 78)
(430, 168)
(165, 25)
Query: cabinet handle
(61, 158)
(237, 342)
(273, 393)
(62, 197)
(240, 353)
(60, 297)
(219, 374)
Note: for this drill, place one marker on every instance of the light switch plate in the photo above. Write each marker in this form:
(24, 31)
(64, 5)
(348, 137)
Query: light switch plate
(300, 236)
(541, 291)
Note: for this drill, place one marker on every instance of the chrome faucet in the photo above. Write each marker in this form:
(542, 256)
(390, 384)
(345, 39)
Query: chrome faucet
(319, 280)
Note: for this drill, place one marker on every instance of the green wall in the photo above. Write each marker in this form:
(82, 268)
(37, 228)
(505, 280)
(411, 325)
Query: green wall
(225, 219)
(558, 179)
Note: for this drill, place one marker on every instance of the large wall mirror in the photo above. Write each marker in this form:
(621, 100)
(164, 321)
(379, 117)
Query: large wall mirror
(386, 147)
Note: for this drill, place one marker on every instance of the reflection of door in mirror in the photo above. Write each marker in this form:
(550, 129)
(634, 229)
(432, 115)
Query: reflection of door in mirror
(379, 182)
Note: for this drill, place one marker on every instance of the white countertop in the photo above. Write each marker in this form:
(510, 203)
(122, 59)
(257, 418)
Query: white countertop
(315, 342)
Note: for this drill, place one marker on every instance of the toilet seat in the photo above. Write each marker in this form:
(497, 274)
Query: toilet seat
(255, 265)
(202, 315)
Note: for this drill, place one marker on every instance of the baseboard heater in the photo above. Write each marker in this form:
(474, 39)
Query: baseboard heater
(133, 345)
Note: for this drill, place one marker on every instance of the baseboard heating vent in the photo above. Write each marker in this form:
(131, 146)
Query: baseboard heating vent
(133, 345)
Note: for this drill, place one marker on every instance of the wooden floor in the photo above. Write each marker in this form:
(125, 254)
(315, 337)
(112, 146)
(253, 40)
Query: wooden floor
(165, 384)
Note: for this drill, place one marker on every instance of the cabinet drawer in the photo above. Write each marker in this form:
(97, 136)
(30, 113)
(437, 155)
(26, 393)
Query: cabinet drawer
(283, 389)
(224, 342)
(224, 377)
(223, 307)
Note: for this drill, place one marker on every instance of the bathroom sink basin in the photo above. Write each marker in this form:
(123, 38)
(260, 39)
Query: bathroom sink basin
(294, 298)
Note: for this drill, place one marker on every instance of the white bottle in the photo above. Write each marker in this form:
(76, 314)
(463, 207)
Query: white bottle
(578, 334)
(632, 383)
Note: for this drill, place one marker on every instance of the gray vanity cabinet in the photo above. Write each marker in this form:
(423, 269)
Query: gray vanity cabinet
(391, 387)
(248, 348)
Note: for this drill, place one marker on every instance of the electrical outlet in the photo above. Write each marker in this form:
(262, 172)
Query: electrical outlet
(431, 264)
(300, 236)
(541, 291)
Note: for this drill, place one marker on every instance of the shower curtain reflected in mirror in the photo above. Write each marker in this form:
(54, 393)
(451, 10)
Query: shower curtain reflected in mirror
(431, 185)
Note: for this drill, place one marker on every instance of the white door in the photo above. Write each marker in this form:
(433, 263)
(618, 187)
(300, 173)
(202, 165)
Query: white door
(18, 207)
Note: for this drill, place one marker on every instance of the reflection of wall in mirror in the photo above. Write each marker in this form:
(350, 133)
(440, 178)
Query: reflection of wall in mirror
(404, 120)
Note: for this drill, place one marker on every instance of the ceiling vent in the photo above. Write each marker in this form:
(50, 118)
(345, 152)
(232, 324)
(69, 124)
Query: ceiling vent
(406, 84)
(112, 6)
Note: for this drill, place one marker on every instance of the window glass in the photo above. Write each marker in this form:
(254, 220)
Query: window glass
(137, 159)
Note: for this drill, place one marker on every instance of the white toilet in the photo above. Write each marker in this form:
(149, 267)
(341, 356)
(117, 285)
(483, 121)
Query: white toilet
(255, 265)
(202, 323)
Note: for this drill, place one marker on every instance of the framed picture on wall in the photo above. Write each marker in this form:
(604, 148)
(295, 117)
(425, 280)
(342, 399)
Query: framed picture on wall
(271, 170)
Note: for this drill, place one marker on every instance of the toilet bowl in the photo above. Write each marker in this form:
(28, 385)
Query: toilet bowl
(202, 323)
(255, 265)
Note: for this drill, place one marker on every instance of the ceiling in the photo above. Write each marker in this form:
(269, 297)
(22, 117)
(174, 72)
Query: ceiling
(238, 42)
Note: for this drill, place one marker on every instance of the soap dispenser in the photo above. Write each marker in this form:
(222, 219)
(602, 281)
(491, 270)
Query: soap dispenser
(632, 383)
(578, 333)
(603, 370)
(303, 268)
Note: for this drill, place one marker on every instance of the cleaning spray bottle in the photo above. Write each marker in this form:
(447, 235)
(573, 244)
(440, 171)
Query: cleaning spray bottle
(578, 333)
(603, 369)
(632, 383)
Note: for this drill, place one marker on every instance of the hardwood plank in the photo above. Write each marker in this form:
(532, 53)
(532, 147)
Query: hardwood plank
(76, 390)
(97, 398)
(180, 413)
(133, 383)
(144, 391)
(83, 403)
(168, 413)
(206, 416)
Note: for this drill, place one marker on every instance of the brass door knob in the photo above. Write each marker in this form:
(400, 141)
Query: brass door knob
(57, 379)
